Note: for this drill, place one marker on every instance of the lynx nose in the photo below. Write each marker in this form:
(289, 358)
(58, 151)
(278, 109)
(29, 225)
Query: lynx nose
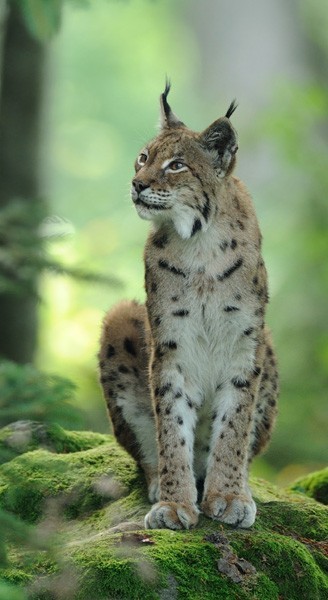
(139, 186)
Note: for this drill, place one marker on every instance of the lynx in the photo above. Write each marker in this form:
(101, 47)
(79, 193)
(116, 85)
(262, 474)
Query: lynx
(190, 378)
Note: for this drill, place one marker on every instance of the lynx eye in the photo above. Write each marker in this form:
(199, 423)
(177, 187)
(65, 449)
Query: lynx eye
(176, 165)
(142, 159)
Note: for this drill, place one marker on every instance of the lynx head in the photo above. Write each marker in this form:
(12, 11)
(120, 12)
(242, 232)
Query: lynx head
(178, 170)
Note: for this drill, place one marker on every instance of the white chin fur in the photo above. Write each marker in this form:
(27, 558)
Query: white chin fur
(144, 213)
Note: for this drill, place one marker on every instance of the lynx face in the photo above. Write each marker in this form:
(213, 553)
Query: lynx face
(172, 169)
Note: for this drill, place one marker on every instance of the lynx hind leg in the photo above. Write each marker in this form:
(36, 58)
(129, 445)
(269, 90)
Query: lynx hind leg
(266, 404)
(123, 362)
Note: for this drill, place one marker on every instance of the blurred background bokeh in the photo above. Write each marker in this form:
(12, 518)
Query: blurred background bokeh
(80, 83)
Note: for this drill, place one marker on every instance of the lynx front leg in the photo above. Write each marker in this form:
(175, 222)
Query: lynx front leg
(226, 493)
(176, 416)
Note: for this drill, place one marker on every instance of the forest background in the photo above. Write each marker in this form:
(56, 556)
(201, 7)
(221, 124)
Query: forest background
(90, 104)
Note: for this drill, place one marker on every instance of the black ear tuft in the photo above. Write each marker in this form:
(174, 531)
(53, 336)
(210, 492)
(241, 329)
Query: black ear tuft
(166, 106)
(168, 118)
(231, 108)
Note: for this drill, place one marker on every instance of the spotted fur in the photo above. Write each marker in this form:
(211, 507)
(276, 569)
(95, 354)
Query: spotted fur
(190, 379)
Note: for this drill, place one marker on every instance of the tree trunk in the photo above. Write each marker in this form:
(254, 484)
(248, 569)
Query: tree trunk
(20, 120)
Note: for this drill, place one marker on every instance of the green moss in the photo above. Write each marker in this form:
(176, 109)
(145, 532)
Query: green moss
(314, 485)
(28, 480)
(287, 545)
(288, 563)
(24, 436)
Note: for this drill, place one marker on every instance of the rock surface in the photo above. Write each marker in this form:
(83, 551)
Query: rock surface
(86, 501)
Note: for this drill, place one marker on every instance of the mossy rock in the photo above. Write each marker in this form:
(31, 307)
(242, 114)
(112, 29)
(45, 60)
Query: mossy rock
(22, 436)
(85, 496)
(314, 485)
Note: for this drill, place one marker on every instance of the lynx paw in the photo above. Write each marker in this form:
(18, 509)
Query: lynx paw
(237, 510)
(171, 515)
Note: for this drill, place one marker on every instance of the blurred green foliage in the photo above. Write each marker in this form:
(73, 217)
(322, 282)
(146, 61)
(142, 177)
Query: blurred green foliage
(25, 235)
(297, 126)
(32, 394)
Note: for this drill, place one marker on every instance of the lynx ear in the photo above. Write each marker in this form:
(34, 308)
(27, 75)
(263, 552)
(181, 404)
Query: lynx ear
(220, 139)
(167, 116)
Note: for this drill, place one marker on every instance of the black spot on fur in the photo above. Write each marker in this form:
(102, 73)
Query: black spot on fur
(240, 383)
(171, 345)
(160, 241)
(178, 395)
(161, 391)
(224, 246)
(110, 351)
(180, 420)
(163, 264)
(196, 226)
(257, 371)
(231, 308)
(175, 298)
(233, 244)
(248, 331)
(180, 313)
(231, 270)
(157, 321)
(123, 369)
(130, 347)
(183, 442)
